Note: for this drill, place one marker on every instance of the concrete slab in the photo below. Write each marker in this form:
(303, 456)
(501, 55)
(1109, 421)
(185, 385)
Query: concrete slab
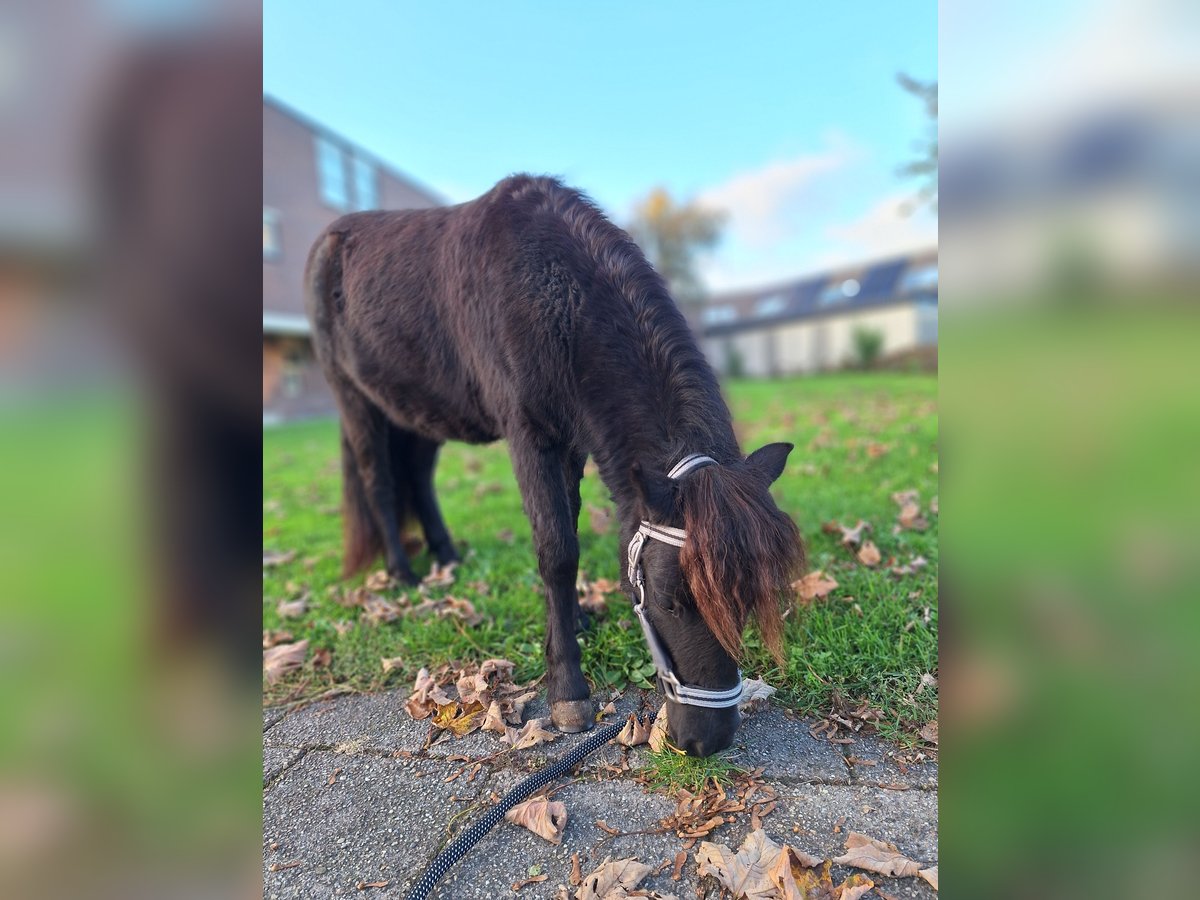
(894, 766)
(375, 722)
(276, 759)
(786, 751)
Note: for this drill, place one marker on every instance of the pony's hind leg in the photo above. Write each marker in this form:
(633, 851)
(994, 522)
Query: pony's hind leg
(420, 460)
(548, 504)
(372, 502)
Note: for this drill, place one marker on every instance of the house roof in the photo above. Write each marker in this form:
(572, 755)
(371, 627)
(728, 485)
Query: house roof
(906, 279)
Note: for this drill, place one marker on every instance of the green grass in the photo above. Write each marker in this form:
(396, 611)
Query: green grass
(871, 639)
(669, 770)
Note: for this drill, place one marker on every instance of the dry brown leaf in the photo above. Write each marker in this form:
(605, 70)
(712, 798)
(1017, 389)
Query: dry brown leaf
(378, 609)
(396, 662)
(342, 627)
(658, 731)
(322, 658)
(635, 732)
(852, 537)
(930, 875)
(440, 576)
(271, 638)
(525, 882)
(600, 518)
(613, 880)
(813, 586)
(869, 554)
(379, 580)
(680, 860)
(364, 885)
(910, 568)
(273, 558)
(426, 697)
(864, 852)
(531, 735)
(576, 871)
(494, 720)
(292, 609)
(459, 719)
(929, 732)
(755, 694)
(545, 818)
(746, 873)
(283, 658)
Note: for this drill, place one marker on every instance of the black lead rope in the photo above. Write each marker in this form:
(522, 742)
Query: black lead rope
(460, 845)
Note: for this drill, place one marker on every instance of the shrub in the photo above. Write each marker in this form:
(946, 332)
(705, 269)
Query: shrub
(867, 345)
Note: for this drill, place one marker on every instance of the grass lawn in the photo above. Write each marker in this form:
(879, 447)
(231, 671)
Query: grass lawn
(859, 439)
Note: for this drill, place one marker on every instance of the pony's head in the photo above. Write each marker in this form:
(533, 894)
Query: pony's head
(736, 563)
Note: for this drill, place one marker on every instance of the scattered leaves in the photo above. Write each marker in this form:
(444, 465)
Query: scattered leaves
(747, 873)
(531, 735)
(440, 576)
(293, 609)
(617, 881)
(272, 558)
(864, 852)
(755, 695)
(869, 554)
(635, 732)
(280, 659)
(815, 585)
(545, 818)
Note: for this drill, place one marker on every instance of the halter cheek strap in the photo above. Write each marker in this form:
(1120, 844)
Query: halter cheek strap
(673, 688)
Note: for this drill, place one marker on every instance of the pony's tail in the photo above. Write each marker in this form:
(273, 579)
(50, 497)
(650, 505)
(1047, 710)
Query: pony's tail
(363, 542)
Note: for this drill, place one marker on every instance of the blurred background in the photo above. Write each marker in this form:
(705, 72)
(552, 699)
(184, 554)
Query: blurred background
(781, 163)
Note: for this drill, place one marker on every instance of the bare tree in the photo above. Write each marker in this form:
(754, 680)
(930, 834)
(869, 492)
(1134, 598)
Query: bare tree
(925, 166)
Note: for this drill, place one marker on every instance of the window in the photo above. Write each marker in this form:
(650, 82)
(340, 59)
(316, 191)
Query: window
(331, 173)
(919, 279)
(838, 291)
(770, 306)
(271, 244)
(366, 191)
(715, 315)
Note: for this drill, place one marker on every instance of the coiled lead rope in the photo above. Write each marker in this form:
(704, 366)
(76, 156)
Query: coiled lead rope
(460, 845)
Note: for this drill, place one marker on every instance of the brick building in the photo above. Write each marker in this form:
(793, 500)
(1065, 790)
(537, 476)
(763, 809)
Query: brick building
(310, 177)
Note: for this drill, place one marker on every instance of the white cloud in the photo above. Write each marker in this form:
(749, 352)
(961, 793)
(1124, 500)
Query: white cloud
(884, 230)
(762, 203)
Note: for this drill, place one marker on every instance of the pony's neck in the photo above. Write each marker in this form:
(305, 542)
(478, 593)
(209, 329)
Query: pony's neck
(653, 405)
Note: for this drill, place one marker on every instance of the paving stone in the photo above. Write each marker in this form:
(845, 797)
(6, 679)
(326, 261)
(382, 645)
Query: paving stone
(375, 722)
(379, 816)
(276, 759)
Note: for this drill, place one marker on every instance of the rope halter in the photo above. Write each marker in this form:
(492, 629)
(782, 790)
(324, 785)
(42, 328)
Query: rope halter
(673, 688)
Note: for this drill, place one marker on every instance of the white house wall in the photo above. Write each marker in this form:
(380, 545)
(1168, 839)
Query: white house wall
(818, 344)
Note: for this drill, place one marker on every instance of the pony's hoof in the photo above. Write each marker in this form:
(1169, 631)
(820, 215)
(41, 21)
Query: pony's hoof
(573, 716)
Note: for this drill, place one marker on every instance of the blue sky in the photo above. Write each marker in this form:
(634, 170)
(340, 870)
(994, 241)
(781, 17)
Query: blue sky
(785, 115)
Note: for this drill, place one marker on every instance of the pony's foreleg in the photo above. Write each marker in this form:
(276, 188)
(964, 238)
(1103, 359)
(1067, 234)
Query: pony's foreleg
(547, 499)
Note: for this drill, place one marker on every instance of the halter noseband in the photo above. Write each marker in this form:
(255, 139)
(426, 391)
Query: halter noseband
(673, 688)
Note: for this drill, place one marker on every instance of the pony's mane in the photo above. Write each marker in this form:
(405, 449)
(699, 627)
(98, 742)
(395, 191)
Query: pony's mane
(741, 554)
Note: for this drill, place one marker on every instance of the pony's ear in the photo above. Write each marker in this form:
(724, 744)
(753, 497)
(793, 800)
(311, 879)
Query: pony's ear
(769, 460)
(654, 491)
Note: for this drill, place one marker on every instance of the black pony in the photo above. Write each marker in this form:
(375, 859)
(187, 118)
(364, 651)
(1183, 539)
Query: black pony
(527, 315)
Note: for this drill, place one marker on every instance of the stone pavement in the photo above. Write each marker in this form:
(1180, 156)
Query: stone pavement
(343, 800)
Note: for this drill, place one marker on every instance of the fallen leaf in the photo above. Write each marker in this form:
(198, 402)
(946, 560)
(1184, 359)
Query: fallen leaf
(746, 873)
(813, 586)
(635, 732)
(364, 885)
(755, 694)
(342, 627)
(912, 567)
(397, 662)
(869, 554)
(426, 697)
(658, 731)
(525, 882)
(283, 658)
(440, 576)
(272, 558)
(607, 829)
(292, 609)
(458, 719)
(271, 638)
(600, 518)
(379, 580)
(332, 779)
(680, 859)
(576, 871)
(494, 719)
(930, 875)
(322, 658)
(852, 536)
(929, 732)
(876, 856)
(613, 880)
(545, 818)
(279, 867)
(531, 735)
(378, 609)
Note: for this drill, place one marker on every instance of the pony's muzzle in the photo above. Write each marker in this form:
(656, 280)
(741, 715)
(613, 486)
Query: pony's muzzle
(699, 731)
